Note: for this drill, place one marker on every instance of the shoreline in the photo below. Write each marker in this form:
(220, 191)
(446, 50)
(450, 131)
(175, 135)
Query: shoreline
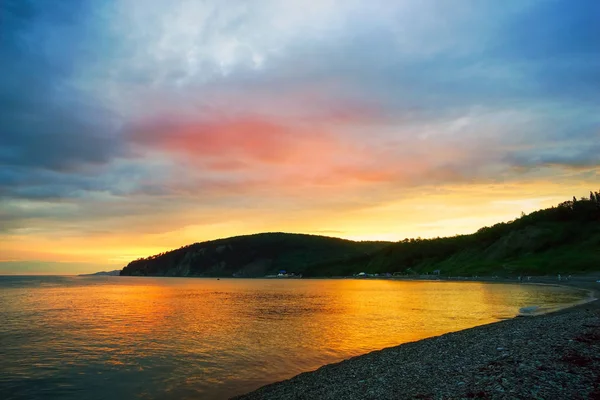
(551, 355)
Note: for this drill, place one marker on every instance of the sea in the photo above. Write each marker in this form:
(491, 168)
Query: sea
(67, 337)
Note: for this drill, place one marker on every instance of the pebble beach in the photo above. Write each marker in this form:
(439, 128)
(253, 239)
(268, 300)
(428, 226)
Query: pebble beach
(551, 356)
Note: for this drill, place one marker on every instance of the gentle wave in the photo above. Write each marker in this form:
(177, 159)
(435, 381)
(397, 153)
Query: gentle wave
(177, 338)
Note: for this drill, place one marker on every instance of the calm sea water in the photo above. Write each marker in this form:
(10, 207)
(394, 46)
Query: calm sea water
(183, 338)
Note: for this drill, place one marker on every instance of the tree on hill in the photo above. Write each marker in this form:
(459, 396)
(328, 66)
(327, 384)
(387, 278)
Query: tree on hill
(560, 239)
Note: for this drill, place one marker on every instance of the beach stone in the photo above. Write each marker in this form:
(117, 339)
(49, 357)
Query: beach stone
(553, 356)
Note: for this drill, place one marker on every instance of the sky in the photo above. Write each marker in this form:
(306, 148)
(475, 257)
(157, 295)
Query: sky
(131, 127)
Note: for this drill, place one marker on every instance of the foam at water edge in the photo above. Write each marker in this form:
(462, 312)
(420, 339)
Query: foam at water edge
(532, 311)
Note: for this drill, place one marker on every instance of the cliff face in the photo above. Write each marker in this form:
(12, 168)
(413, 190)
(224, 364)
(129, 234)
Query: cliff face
(251, 256)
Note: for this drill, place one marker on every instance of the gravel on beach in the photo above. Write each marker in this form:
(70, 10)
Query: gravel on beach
(554, 356)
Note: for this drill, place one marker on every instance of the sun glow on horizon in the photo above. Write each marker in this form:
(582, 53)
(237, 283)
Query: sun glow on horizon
(455, 210)
(362, 120)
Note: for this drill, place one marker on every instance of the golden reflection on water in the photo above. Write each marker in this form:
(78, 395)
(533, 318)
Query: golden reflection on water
(178, 338)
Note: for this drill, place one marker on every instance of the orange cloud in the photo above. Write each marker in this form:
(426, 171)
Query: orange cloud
(235, 153)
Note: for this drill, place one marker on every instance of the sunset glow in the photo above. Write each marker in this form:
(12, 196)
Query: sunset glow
(134, 127)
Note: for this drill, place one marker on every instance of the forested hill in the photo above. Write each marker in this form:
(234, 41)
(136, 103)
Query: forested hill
(561, 239)
(252, 256)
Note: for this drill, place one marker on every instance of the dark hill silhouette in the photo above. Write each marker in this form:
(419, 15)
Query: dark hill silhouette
(561, 239)
(251, 256)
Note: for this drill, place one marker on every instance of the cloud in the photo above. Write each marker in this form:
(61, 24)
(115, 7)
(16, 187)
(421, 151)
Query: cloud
(120, 117)
(45, 121)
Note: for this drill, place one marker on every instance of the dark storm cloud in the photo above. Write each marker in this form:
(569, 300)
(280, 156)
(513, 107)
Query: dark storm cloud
(45, 121)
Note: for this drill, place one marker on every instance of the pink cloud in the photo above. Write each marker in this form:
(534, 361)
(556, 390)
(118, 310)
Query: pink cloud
(329, 144)
(255, 145)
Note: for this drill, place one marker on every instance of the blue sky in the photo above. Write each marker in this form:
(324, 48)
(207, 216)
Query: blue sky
(131, 127)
